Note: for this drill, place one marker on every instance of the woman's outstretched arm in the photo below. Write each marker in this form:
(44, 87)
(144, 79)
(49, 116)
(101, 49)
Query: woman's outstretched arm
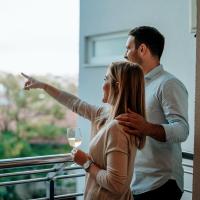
(78, 106)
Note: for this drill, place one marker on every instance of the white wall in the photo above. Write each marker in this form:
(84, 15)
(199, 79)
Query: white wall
(170, 17)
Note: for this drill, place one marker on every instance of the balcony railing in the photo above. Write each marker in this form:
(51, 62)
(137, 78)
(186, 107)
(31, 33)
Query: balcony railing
(50, 174)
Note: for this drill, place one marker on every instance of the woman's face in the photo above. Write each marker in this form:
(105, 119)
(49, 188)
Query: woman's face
(106, 88)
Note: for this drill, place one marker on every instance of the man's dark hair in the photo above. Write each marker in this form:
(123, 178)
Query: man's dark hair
(151, 37)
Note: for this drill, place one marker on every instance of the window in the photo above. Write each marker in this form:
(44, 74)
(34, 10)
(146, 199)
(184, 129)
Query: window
(105, 48)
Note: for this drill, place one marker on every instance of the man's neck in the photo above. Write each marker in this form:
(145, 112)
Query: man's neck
(150, 65)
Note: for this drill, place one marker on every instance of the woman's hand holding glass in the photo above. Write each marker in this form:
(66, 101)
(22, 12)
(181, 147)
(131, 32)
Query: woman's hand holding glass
(79, 157)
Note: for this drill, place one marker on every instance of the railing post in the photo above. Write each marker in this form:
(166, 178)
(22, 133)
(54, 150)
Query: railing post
(58, 168)
(51, 189)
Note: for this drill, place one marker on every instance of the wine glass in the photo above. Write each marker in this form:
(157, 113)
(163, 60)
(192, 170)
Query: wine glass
(74, 138)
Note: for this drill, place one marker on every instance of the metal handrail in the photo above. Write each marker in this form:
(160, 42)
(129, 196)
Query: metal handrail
(29, 161)
(40, 171)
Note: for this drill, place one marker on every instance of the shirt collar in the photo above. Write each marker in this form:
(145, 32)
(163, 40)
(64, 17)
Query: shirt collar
(154, 72)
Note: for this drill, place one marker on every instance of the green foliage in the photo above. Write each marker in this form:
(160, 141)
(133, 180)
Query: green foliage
(39, 193)
(43, 131)
(49, 149)
(8, 193)
(28, 115)
(13, 146)
(57, 112)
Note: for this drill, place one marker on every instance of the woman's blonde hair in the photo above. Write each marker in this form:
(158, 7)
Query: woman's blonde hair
(127, 91)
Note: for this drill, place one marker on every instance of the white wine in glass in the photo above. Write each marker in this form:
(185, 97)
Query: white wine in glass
(74, 142)
(74, 137)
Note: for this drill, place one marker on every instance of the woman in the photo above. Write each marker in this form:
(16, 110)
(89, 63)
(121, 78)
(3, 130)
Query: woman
(110, 161)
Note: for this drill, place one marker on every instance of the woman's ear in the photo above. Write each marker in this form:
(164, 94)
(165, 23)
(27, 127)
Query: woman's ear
(118, 85)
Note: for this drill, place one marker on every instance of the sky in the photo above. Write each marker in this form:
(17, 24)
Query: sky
(39, 36)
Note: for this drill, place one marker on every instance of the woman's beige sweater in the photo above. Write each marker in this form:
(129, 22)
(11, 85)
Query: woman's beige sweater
(111, 149)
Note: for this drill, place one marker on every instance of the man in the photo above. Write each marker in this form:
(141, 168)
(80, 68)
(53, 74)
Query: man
(158, 172)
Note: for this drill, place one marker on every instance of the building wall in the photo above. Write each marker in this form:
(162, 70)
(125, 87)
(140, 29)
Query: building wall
(172, 18)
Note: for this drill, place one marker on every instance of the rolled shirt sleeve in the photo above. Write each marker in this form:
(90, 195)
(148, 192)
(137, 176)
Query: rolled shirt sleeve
(174, 99)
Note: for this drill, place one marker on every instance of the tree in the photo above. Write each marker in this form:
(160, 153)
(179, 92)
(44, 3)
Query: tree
(32, 114)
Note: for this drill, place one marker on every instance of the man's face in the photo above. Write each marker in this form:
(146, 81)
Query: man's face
(132, 53)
